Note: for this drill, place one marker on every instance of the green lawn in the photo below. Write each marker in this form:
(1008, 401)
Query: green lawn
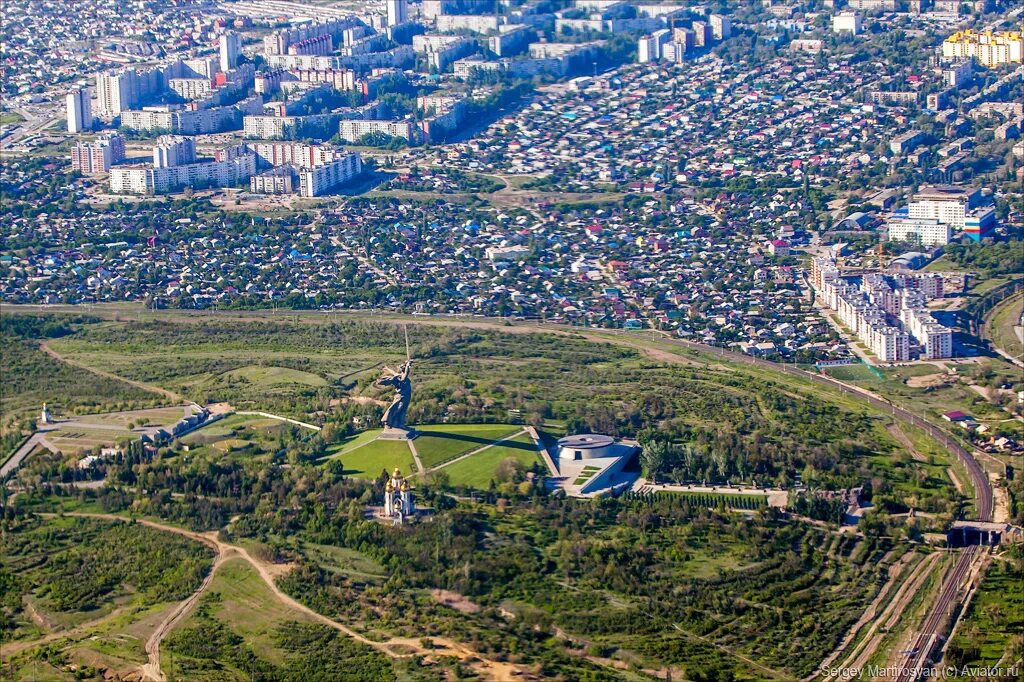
(860, 373)
(243, 427)
(10, 118)
(982, 286)
(379, 455)
(942, 264)
(352, 442)
(441, 442)
(478, 470)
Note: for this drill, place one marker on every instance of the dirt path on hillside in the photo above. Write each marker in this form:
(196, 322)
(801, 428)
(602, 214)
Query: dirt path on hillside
(11, 648)
(152, 670)
(896, 432)
(488, 669)
(891, 614)
(170, 395)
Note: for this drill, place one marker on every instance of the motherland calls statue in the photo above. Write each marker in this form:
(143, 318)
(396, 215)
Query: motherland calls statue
(394, 416)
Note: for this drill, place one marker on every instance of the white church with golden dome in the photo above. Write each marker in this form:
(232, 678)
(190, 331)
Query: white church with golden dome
(398, 502)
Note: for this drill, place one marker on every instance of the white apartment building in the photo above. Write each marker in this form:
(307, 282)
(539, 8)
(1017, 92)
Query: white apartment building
(721, 26)
(278, 180)
(924, 231)
(442, 50)
(847, 22)
(867, 310)
(936, 340)
(990, 49)
(79, 110)
(476, 23)
(649, 47)
(322, 179)
(352, 130)
(190, 121)
(148, 180)
(191, 88)
(944, 203)
(398, 12)
(173, 151)
(291, 153)
(230, 46)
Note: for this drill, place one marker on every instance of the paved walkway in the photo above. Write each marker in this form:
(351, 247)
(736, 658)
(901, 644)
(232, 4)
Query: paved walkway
(15, 460)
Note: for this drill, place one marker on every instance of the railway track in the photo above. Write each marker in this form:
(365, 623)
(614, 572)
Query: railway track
(912, 664)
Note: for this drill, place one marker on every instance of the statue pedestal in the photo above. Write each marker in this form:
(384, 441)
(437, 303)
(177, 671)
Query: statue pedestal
(392, 433)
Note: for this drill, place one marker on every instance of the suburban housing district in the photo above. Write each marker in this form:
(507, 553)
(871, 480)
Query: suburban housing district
(511, 339)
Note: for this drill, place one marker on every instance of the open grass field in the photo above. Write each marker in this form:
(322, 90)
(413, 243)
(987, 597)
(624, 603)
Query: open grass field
(237, 432)
(10, 118)
(241, 631)
(439, 443)
(346, 561)
(370, 459)
(272, 377)
(352, 442)
(994, 619)
(477, 470)
(161, 416)
(240, 598)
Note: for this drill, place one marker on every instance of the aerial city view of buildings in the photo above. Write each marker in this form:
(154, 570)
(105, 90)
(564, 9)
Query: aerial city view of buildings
(708, 321)
(265, 104)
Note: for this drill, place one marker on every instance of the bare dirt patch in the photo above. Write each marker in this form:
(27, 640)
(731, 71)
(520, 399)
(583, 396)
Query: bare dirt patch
(927, 381)
(455, 601)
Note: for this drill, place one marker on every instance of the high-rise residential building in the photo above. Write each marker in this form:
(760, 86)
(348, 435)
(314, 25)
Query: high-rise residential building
(352, 130)
(113, 93)
(79, 111)
(398, 12)
(91, 158)
(172, 150)
(685, 37)
(847, 22)
(721, 26)
(990, 49)
(702, 33)
(321, 179)
(649, 47)
(230, 47)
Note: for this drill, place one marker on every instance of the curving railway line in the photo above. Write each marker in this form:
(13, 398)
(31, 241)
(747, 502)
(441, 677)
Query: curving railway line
(982, 486)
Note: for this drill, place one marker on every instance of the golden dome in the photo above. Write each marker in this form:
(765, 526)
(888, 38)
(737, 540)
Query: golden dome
(404, 486)
(389, 486)
(397, 473)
